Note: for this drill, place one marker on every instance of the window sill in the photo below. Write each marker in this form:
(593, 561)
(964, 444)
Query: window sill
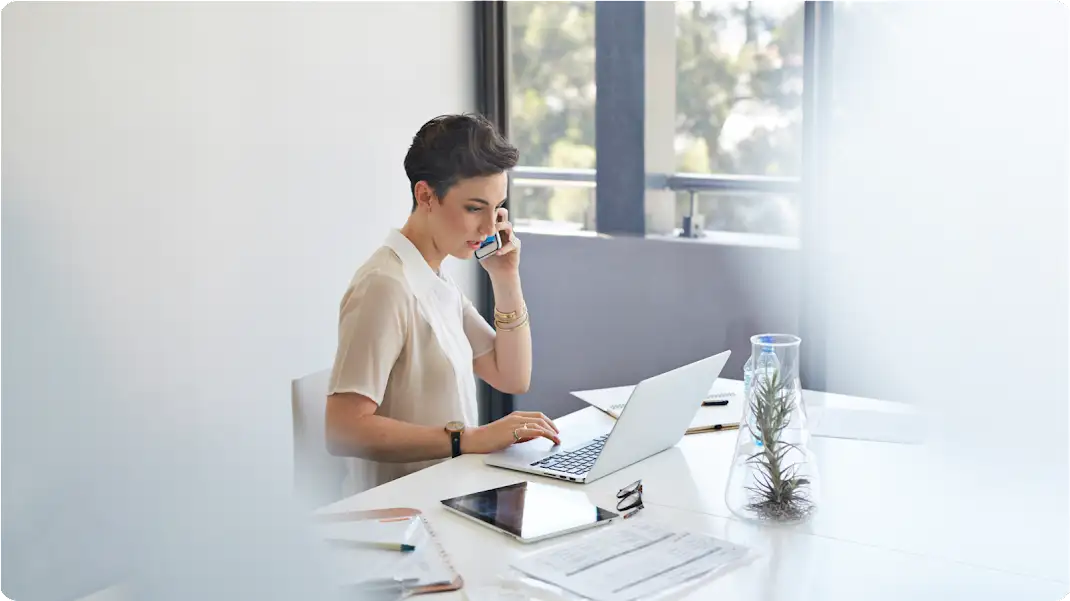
(553, 228)
(716, 238)
(725, 238)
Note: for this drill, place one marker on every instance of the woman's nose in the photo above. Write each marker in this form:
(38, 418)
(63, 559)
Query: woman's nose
(486, 228)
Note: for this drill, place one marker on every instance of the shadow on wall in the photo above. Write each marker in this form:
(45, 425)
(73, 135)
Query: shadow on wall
(612, 311)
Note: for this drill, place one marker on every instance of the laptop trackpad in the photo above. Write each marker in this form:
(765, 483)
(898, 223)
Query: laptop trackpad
(525, 452)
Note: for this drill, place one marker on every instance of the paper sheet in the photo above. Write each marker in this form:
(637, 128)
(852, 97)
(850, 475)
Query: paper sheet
(830, 415)
(389, 531)
(633, 561)
(424, 566)
(497, 592)
(613, 400)
(905, 427)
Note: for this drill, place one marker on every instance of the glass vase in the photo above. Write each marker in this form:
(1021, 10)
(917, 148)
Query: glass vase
(773, 478)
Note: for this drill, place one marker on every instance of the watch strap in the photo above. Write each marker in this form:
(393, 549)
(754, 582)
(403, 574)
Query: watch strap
(455, 442)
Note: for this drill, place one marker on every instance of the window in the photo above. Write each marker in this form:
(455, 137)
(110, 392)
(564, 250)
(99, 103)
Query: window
(550, 79)
(739, 85)
(732, 113)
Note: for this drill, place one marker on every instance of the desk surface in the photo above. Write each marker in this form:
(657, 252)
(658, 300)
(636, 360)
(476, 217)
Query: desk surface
(896, 521)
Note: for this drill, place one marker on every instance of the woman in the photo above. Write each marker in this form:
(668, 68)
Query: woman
(402, 390)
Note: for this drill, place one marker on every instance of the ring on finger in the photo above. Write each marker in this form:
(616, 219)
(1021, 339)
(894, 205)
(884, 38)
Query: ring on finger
(516, 435)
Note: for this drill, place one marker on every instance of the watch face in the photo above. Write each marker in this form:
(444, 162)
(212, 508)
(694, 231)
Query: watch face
(455, 426)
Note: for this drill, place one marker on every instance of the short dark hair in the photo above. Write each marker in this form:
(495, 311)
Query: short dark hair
(450, 148)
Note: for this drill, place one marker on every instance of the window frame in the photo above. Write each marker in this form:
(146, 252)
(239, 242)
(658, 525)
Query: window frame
(620, 207)
(619, 58)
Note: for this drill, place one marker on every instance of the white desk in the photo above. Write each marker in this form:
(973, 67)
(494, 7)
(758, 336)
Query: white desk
(896, 522)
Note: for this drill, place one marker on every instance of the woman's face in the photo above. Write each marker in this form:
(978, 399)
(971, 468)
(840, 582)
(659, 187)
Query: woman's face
(466, 215)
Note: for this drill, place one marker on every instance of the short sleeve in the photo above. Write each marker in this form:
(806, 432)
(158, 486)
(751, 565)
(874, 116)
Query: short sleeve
(372, 328)
(480, 334)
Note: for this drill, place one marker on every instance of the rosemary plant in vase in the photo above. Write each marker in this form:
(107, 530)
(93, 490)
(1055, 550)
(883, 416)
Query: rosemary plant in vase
(773, 479)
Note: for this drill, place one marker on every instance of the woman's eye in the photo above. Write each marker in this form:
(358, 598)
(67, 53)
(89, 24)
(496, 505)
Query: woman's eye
(474, 209)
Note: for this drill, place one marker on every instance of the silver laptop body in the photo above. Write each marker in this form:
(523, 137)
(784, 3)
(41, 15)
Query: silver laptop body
(655, 418)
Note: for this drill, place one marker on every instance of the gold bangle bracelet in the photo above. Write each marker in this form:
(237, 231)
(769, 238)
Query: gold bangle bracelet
(523, 322)
(519, 327)
(499, 320)
(511, 316)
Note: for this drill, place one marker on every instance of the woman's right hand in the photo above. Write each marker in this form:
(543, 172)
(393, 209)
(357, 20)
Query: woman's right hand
(518, 426)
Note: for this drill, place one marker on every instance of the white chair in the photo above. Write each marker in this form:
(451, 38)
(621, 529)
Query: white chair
(319, 477)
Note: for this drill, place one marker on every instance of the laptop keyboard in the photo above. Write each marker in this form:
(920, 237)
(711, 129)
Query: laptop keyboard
(579, 461)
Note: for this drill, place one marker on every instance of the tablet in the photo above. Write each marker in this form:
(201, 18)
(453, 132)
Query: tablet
(530, 511)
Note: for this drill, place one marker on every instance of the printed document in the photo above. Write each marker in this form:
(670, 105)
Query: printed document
(631, 561)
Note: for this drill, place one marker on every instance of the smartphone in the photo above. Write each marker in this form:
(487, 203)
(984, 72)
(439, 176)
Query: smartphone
(489, 247)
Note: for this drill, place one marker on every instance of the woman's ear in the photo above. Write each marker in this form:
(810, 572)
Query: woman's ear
(424, 195)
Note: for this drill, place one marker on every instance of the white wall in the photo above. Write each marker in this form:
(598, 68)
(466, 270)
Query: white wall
(946, 227)
(947, 219)
(187, 189)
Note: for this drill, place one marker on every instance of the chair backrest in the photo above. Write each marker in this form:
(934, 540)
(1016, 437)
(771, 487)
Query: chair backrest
(319, 477)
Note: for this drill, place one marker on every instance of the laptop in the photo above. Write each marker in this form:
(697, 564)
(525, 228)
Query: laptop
(655, 418)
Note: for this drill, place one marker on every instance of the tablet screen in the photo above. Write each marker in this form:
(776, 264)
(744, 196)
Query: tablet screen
(531, 510)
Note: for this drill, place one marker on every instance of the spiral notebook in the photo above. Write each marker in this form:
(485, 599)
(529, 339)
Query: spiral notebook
(426, 570)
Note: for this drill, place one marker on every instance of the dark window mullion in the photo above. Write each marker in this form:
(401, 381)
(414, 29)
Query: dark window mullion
(620, 116)
(491, 101)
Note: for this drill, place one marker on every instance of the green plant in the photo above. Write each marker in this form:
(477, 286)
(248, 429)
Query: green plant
(779, 492)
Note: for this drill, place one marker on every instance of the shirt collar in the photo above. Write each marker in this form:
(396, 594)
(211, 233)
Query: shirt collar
(419, 274)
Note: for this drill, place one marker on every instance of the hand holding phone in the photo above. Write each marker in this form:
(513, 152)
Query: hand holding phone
(503, 245)
(493, 243)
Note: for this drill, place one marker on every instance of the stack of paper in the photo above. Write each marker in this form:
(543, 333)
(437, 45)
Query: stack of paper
(633, 561)
(613, 400)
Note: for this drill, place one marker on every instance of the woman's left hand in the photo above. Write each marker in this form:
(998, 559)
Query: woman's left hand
(506, 261)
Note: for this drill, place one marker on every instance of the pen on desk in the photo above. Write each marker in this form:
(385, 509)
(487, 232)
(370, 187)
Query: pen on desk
(367, 544)
(714, 428)
(718, 400)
